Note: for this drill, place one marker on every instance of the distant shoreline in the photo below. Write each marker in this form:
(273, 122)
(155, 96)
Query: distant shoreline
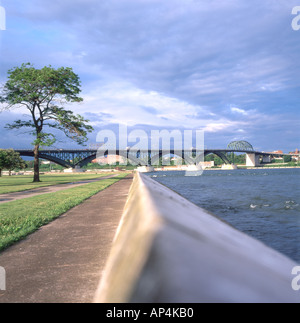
(219, 168)
(276, 167)
(251, 168)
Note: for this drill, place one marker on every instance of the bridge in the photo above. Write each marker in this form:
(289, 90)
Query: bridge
(81, 157)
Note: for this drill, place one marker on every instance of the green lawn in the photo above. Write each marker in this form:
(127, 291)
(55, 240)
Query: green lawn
(10, 184)
(22, 217)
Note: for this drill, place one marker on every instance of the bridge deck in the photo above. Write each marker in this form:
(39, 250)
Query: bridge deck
(80, 157)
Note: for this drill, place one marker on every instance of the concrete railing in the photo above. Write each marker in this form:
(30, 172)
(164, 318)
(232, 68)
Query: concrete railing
(169, 250)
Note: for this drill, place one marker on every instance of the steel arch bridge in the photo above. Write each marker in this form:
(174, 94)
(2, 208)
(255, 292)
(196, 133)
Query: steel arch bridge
(240, 145)
(79, 158)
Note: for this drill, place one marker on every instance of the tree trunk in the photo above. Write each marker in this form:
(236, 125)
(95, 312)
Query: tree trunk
(0, 172)
(36, 166)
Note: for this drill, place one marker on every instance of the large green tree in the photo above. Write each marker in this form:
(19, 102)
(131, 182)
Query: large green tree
(10, 160)
(44, 93)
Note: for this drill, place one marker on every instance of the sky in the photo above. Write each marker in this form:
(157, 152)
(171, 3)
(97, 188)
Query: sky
(230, 68)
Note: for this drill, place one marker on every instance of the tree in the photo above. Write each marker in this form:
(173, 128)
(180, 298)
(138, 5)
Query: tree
(44, 92)
(236, 159)
(212, 157)
(9, 159)
(14, 161)
(3, 160)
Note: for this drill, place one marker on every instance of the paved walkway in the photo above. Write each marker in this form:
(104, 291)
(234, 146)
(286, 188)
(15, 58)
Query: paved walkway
(8, 197)
(63, 261)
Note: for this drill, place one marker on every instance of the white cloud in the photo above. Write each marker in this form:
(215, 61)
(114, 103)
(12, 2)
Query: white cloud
(121, 102)
(223, 125)
(238, 110)
(126, 104)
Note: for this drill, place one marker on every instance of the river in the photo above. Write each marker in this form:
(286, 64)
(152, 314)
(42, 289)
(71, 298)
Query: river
(263, 203)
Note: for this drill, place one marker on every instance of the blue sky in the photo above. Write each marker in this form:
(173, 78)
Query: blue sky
(229, 67)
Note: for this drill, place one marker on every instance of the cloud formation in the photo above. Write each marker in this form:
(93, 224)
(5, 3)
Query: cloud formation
(229, 67)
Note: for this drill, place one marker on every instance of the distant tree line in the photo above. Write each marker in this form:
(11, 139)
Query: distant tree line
(232, 157)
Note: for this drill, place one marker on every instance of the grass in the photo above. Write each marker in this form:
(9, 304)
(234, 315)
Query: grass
(10, 184)
(22, 217)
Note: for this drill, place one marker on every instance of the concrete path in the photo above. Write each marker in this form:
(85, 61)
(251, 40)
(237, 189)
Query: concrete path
(8, 197)
(63, 261)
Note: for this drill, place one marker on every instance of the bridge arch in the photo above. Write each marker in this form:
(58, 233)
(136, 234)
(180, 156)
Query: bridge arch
(124, 154)
(188, 159)
(87, 157)
(240, 145)
(136, 158)
(51, 158)
(219, 154)
(56, 160)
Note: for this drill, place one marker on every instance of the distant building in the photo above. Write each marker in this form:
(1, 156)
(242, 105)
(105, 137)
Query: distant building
(109, 160)
(208, 163)
(295, 154)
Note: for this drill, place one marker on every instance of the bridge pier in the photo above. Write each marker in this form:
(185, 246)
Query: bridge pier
(77, 169)
(145, 169)
(266, 159)
(252, 160)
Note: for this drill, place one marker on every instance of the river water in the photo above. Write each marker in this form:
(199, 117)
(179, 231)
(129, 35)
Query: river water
(264, 204)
